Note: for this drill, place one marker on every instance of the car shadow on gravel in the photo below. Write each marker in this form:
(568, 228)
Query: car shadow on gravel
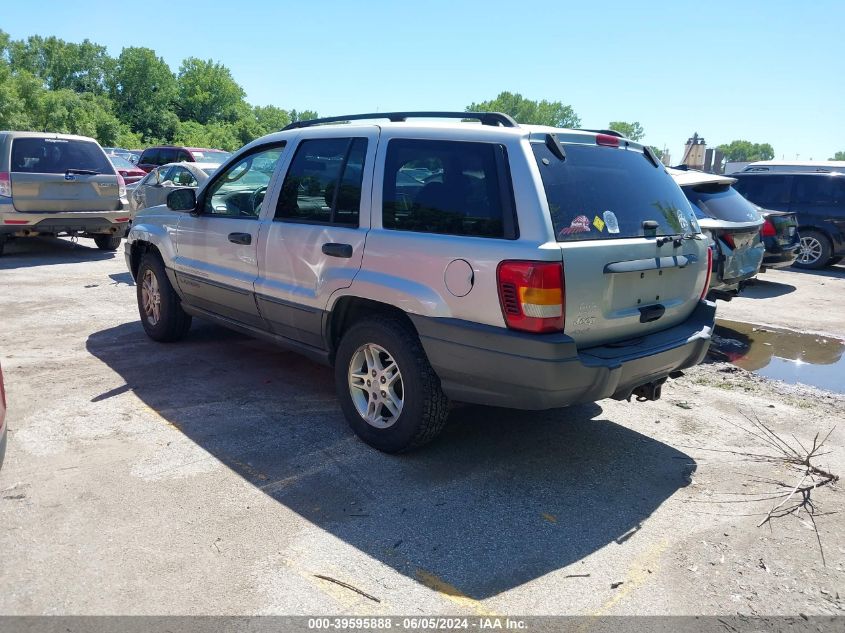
(837, 271)
(502, 498)
(47, 251)
(765, 289)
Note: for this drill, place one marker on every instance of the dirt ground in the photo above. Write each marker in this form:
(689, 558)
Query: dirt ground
(218, 476)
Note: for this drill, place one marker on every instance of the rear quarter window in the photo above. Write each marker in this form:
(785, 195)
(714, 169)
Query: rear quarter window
(599, 193)
(56, 156)
(448, 187)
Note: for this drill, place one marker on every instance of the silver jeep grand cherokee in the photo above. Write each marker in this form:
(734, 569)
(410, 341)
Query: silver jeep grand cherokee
(493, 263)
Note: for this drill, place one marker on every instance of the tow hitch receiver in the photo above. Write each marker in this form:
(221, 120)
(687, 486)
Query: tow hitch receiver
(649, 391)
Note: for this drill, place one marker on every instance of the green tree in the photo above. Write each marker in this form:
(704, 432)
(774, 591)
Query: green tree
(633, 131)
(304, 115)
(270, 118)
(62, 65)
(69, 112)
(838, 156)
(552, 113)
(207, 92)
(13, 112)
(742, 151)
(144, 90)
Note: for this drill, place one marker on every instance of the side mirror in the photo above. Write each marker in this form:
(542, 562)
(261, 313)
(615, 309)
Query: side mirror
(182, 200)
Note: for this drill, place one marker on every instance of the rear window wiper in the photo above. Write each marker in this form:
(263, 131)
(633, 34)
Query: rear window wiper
(82, 172)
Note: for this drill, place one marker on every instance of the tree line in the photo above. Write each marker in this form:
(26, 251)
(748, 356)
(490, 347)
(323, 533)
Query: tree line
(135, 99)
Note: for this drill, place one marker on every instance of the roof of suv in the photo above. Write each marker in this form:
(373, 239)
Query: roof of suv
(18, 134)
(190, 149)
(692, 177)
(769, 174)
(422, 121)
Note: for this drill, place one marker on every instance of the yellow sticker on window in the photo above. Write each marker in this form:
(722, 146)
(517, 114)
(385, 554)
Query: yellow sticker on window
(598, 223)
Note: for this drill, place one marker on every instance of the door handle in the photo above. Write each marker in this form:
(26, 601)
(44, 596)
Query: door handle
(337, 250)
(240, 238)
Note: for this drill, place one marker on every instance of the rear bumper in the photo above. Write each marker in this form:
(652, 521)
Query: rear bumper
(779, 255)
(495, 366)
(64, 223)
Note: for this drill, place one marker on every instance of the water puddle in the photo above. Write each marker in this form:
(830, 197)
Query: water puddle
(792, 357)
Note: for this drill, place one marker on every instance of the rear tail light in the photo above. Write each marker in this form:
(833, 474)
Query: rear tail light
(532, 295)
(709, 273)
(768, 229)
(121, 186)
(5, 185)
(607, 139)
(728, 239)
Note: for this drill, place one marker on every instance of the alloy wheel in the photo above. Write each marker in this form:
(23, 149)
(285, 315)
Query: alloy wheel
(375, 384)
(151, 297)
(811, 250)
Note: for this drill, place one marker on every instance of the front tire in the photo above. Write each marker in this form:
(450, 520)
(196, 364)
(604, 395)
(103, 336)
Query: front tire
(107, 242)
(815, 250)
(388, 391)
(158, 304)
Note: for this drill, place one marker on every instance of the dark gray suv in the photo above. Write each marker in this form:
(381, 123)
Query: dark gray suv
(818, 201)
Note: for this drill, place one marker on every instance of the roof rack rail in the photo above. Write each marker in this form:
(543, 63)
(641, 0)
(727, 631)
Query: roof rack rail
(611, 132)
(486, 118)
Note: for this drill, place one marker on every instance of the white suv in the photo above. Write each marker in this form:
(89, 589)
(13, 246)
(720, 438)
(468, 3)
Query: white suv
(493, 263)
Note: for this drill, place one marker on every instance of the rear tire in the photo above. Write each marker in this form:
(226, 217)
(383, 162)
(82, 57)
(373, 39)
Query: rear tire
(815, 250)
(107, 242)
(3, 240)
(405, 402)
(160, 308)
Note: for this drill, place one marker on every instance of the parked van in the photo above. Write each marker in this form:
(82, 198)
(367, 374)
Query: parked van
(799, 166)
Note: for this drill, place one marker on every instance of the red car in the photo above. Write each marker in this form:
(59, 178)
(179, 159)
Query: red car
(153, 157)
(131, 173)
(2, 419)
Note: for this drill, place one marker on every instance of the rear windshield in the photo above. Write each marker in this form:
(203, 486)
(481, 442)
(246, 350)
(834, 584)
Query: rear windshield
(720, 202)
(607, 193)
(121, 163)
(57, 155)
(205, 156)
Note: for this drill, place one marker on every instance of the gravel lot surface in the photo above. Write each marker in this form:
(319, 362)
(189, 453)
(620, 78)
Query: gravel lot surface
(218, 476)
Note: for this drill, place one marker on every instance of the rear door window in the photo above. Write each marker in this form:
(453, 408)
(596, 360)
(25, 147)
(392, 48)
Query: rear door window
(766, 191)
(721, 202)
(448, 187)
(56, 156)
(816, 190)
(600, 193)
(323, 183)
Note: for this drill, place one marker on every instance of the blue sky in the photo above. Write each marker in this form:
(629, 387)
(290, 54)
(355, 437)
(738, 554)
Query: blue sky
(760, 71)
